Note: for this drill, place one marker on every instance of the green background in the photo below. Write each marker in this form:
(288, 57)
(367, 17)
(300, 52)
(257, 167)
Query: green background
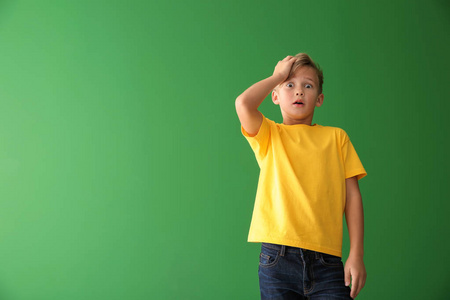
(123, 172)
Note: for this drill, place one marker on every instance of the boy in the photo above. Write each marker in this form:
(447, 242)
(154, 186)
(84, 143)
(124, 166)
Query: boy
(308, 178)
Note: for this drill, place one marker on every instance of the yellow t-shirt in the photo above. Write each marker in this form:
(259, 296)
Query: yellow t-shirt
(300, 200)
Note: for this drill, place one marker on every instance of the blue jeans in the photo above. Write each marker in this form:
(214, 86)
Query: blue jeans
(295, 273)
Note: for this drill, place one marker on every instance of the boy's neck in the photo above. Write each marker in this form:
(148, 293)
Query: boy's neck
(287, 121)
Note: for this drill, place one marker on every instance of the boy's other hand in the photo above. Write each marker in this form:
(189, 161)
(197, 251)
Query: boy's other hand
(283, 68)
(355, 269)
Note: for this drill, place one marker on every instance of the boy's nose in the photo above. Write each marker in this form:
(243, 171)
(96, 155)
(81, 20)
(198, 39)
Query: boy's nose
(300, 93)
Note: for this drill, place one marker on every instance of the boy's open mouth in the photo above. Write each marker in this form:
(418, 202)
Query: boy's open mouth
(298, 103)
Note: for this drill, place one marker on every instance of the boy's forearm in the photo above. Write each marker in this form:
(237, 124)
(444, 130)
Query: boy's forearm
(255, 95)
(354, 216)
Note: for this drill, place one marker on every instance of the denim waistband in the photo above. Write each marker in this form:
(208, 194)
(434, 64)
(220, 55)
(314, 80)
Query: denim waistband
(283, 249)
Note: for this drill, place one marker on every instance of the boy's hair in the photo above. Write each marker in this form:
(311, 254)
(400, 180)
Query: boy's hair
(303, 59)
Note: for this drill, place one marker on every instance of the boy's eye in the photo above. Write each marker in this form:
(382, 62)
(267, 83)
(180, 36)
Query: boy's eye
(310, 86)
(289, 85)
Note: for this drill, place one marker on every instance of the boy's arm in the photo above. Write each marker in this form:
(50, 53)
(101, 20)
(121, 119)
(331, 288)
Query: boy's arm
(248, 102)
(354, 215)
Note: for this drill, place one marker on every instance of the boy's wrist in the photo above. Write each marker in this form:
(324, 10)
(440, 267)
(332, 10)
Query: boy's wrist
(356, 253)
(277, 78)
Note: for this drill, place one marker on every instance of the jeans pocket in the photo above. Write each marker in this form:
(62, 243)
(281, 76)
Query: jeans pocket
(268, 257)
(329, 260)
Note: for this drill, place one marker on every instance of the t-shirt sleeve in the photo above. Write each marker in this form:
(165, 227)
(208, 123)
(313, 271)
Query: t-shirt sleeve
(260, 142)
(352, 163)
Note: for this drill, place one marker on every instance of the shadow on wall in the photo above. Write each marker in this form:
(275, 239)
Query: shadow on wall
(444, 5)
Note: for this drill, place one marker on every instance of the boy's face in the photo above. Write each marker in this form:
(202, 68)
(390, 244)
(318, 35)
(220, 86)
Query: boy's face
(303, 86)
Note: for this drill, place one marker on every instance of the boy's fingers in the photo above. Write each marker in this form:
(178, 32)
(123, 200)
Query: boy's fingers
(360, 284)
(347, 277)
(355, 287)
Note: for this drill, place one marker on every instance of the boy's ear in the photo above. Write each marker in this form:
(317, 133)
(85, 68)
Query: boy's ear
(275, 98)
(319, 101)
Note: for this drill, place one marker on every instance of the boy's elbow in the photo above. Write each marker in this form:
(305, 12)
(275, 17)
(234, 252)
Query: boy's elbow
(243, 104)
(240, 104)
(239, 101)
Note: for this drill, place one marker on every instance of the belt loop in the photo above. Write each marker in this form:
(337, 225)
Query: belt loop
(317, 255)
(283, 250)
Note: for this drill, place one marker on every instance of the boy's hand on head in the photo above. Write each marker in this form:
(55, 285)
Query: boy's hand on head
(283, 68)
(355, 269)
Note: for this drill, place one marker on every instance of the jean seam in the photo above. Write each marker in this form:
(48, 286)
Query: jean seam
(277, 258)
(267, 245)
(313, 282)
(325, 264)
